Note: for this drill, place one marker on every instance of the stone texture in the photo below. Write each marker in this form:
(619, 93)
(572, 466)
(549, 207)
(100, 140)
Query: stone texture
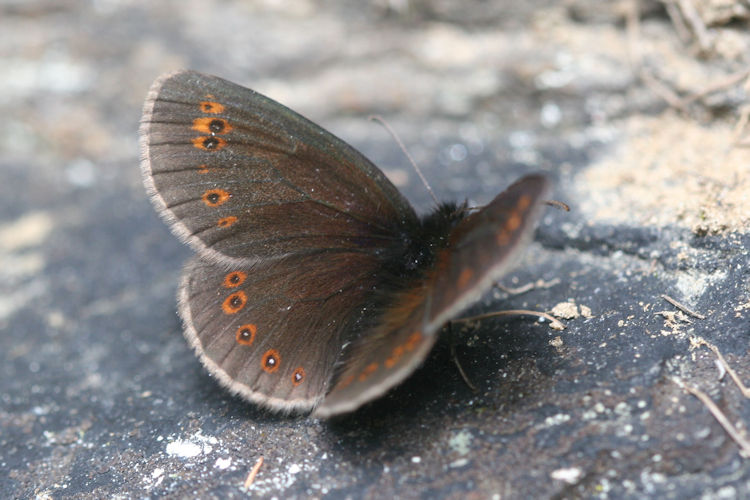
(99, 394)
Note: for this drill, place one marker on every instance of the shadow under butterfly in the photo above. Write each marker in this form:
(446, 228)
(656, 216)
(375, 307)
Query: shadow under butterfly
(316, 285)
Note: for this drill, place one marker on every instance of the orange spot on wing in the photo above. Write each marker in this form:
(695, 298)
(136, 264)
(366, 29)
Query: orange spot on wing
(465, 277)
(523, 202)
(203, 169)
(234, 279)
(413, 341)
(270, 361)
(347, 381)
(513, 222)
(209, 125)
(227, 221)
(212, 107)
(246, 334)
(209, 143)
(298, 376)
(215, 197)
(408, 302)
(398, 352)
(503, 238)
(369, 370)
(234, 303)
(395, 356)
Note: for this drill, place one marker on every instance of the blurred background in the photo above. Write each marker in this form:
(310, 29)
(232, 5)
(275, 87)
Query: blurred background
(636, 109)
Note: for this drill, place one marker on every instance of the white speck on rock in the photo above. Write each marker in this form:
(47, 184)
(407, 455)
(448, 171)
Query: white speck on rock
(558, 419)
(196, 445)
(570, 475)
(183, 449)
(461, 442)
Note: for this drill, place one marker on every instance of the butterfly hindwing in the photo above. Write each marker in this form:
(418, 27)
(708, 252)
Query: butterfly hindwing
(382, 356)
(272, 331)
(242, 178)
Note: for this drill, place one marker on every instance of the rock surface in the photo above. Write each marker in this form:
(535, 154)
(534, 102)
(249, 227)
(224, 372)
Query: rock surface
(635, 121)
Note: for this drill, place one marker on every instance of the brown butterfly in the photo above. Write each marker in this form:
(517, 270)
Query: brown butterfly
(316, 285)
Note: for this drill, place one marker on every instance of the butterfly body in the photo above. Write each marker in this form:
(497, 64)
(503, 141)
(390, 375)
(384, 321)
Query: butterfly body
(316, 285)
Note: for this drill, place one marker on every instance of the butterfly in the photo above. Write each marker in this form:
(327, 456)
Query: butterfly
(316, 286)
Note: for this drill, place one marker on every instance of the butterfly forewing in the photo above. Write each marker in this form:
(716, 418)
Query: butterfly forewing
(242, 178)
(484, 246)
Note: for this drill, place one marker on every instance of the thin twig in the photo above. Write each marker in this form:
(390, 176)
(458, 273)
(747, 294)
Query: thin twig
(528, 286)
(557, 325)
(739, 128)
(633, 27)
(516, 290)
(461, 369)
(729, 81)
(698, 341)
(253, 472)
(635, 54)
(697, 25)
(679, 23)
(718, 415)
(662, 90)
(682, 308)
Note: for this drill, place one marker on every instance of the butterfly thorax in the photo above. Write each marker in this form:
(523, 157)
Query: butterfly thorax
(405, 268)
(421, 243)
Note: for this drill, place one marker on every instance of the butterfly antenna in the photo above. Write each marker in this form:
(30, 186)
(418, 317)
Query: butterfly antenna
(557, 204)
(379, 119)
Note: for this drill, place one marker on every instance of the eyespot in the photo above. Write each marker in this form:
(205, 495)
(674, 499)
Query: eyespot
(234, 303)
(298, 376)
(246, 334)
(234, 279)
(208, 125)
(209, 143)
(215, 197)
(212, 107)
(271, 361)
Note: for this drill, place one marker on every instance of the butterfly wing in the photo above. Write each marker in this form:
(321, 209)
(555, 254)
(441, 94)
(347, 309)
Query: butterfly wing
(242, 178)
(290, 224)
(268, 334)
(484, 246)
(383, 355)
(481, 249)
